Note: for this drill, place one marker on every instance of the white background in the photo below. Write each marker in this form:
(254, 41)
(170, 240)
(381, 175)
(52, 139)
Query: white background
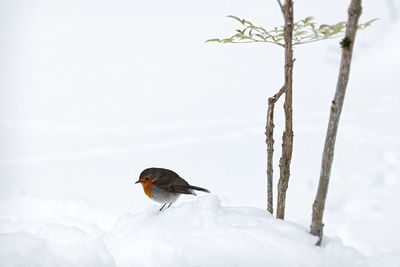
(93, 92)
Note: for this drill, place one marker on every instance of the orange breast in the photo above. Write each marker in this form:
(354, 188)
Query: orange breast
(147, 186)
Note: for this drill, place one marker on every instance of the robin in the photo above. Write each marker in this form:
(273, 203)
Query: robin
(165, 186)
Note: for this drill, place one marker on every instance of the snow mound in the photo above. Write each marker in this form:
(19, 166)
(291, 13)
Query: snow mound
(198, 233)
(39, 232)
(203, 233)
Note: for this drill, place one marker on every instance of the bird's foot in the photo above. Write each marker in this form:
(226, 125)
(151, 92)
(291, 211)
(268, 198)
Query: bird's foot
(164, 206)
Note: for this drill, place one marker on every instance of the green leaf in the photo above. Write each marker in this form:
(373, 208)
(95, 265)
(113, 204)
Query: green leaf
(226, 40)
(247, 22)
(368, 23)
(300, 33)
(234, 17)
(323, 26)
(307, 20)
(242, 21)
(261, 36)
(341, 24)
(213, 40)
(261, 29)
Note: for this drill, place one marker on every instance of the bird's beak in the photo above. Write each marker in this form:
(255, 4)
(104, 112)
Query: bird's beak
(138, 181)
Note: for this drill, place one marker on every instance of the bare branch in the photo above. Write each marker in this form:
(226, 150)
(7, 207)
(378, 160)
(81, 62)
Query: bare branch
(304, 31)
(354, 12)
(280, 4)
(269, 132)
(316, 40)
(287, 138)
(255, 41)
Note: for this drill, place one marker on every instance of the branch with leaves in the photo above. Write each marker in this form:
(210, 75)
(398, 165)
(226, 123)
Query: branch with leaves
(304, 31)
(292, 33)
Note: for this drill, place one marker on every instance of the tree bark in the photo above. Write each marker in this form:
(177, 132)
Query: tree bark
(269, 132)
(354, 12)
(287, 138)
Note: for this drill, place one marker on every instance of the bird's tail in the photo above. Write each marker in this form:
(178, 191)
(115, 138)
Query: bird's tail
(198, 188)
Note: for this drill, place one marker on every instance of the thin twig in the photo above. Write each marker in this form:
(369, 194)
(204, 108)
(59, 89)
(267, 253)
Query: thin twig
(276, 96)
(269, 132)
(316, 40)
(255, 41)
(280, 4)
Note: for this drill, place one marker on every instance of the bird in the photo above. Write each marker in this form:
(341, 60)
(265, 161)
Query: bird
(165, 186)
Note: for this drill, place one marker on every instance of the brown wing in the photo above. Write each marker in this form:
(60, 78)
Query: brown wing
(179, 185)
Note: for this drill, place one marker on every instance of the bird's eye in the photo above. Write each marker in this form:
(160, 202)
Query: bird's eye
(147, 178)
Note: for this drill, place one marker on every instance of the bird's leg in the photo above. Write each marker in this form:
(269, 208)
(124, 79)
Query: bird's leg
(169, 204)
(163, 206)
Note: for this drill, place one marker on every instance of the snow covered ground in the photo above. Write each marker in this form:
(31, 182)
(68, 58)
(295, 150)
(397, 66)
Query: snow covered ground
(92, 92)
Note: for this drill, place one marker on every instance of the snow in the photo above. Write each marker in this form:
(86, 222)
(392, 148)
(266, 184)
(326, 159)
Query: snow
(54, 245)
(196, 233)
(93, 92)
(199, 232)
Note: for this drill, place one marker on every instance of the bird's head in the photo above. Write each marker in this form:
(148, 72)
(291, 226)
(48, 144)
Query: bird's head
(148, 176)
